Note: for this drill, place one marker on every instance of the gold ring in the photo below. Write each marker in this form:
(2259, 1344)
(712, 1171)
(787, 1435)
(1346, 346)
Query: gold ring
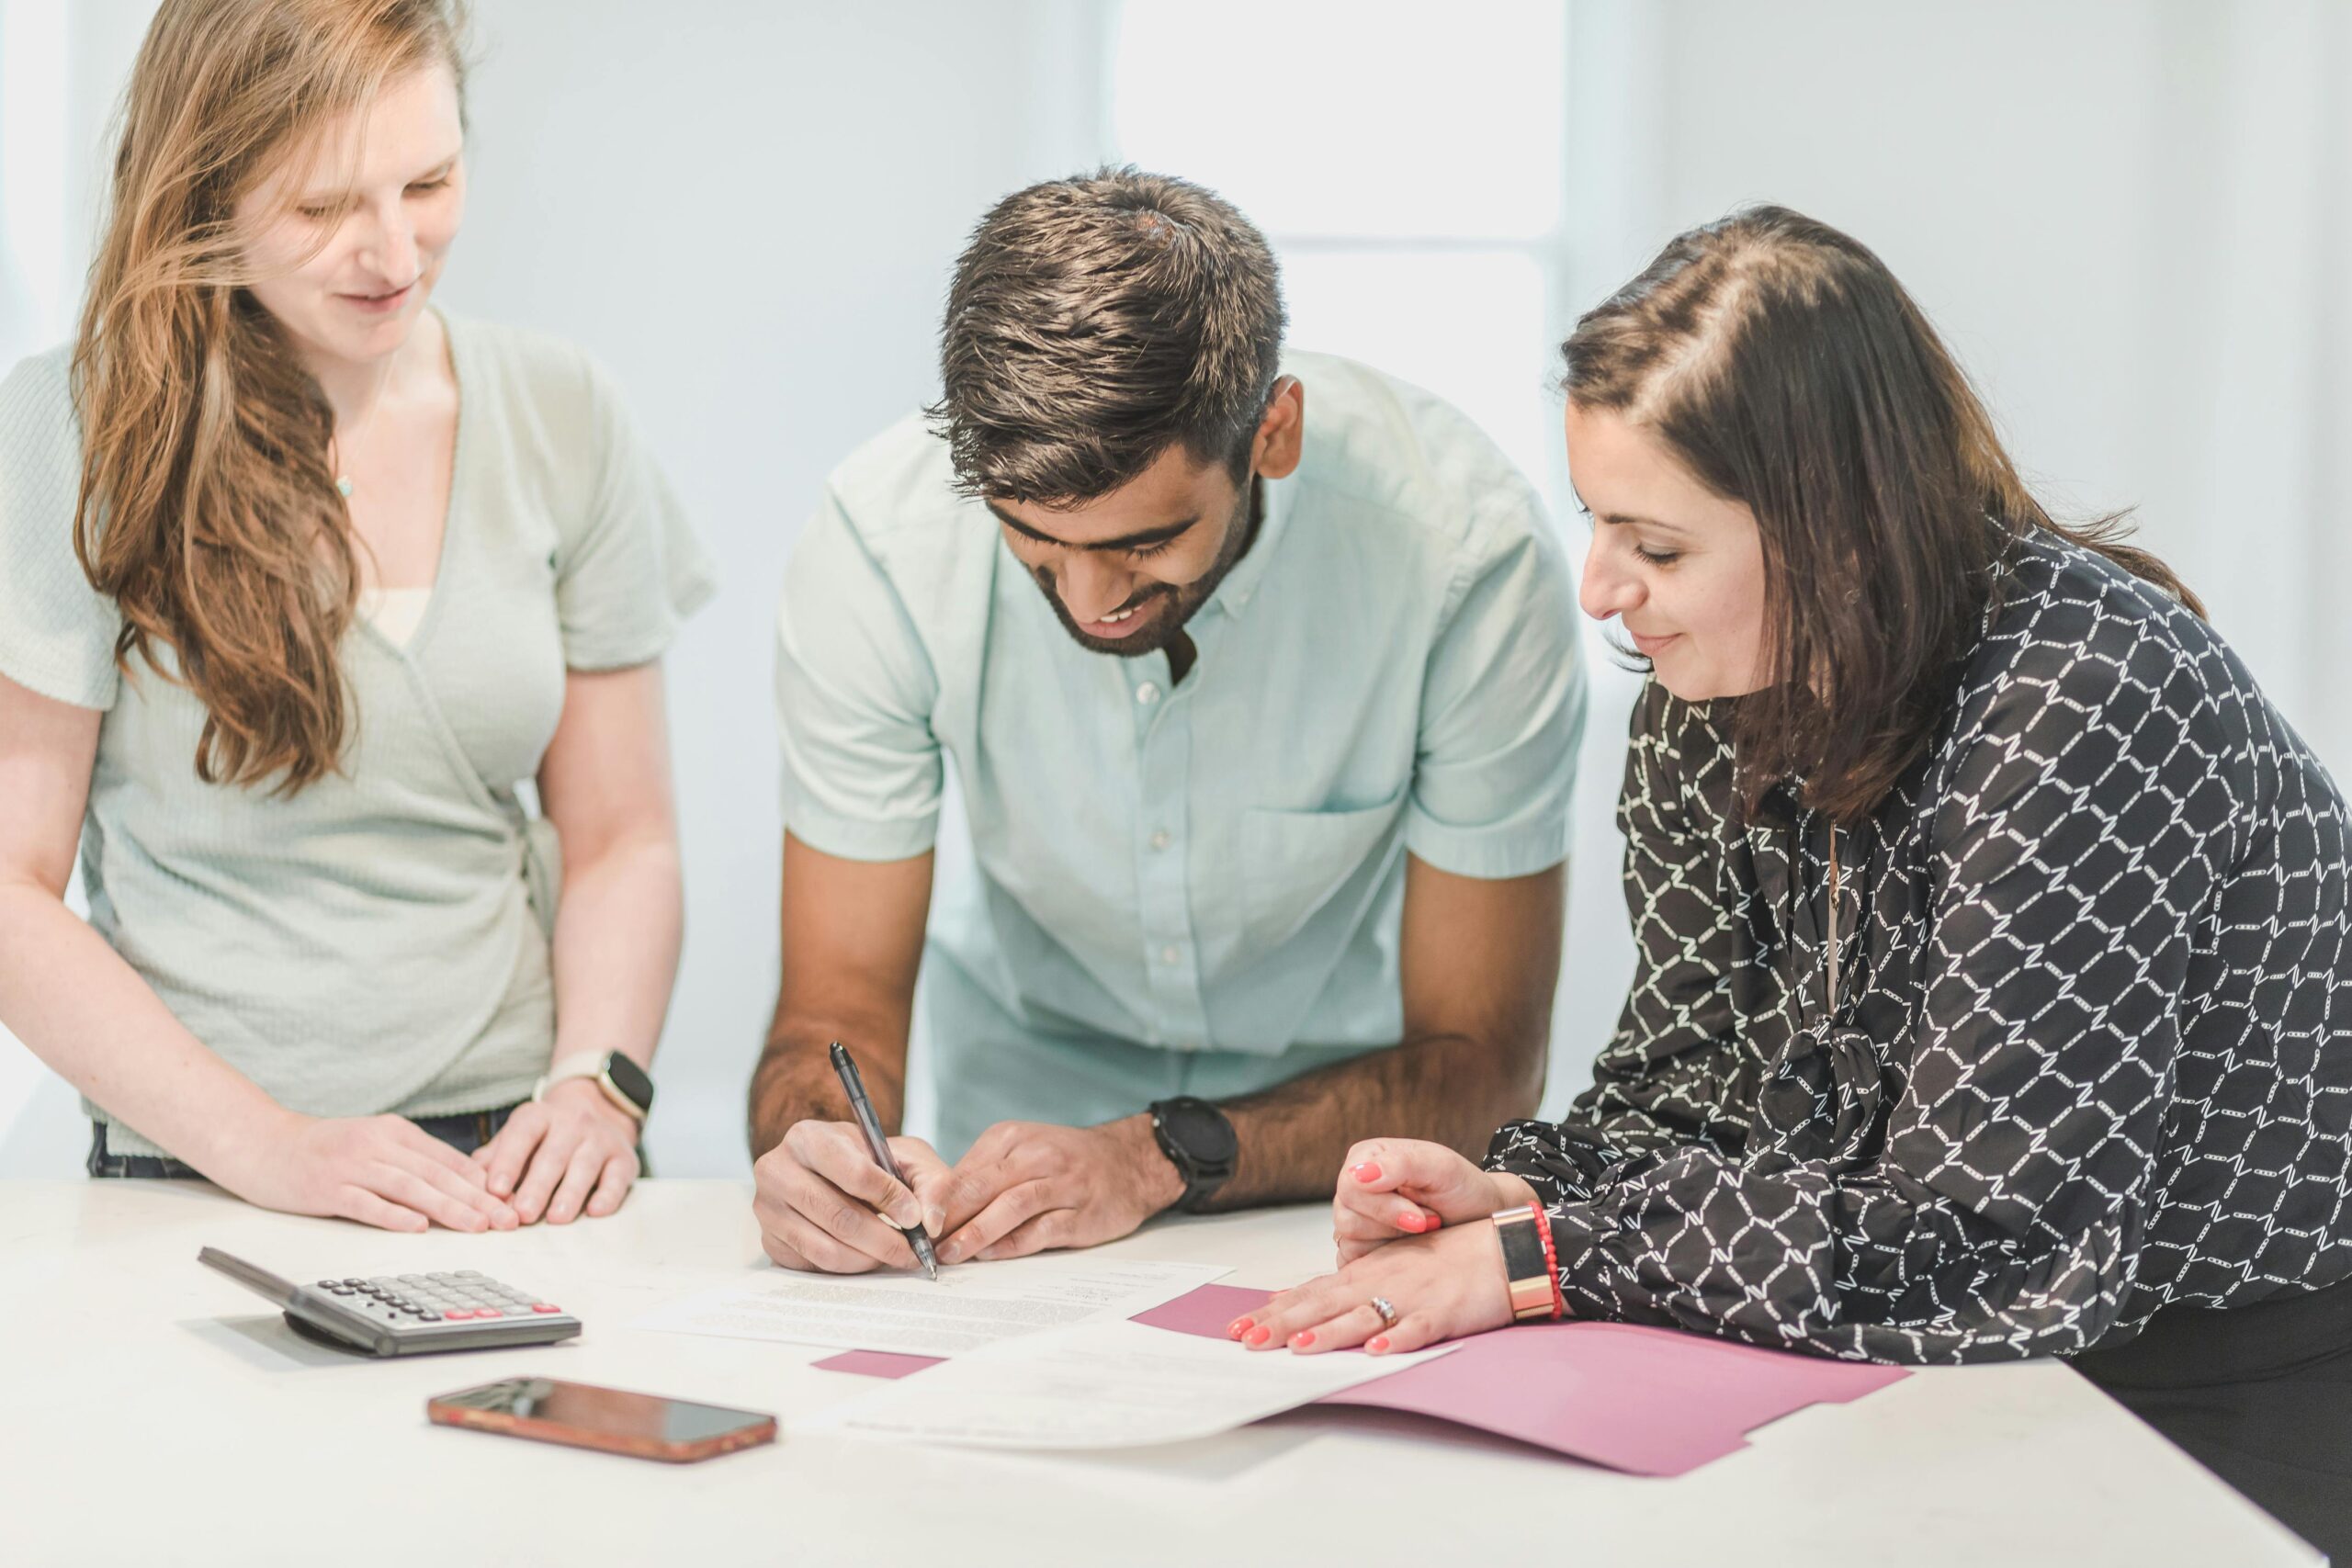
(1387, 1313)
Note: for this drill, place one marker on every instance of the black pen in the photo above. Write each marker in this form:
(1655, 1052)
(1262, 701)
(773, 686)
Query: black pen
(864, 1108)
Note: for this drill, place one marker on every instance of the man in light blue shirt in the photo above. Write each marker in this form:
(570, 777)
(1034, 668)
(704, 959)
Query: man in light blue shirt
(1260, 679)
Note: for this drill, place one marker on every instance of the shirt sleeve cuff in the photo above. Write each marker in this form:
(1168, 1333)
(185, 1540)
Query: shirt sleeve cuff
(855, 838)
(1580, 1261)
(60, 682)
(1489, 853)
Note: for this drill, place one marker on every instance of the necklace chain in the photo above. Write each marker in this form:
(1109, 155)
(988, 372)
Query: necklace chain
(343, 484)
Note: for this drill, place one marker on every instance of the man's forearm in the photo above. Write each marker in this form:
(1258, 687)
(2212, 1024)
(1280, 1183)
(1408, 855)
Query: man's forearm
(1447, 1088)
(795, 1082)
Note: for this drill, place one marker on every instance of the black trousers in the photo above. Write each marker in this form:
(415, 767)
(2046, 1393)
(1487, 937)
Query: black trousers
(2260, 1395)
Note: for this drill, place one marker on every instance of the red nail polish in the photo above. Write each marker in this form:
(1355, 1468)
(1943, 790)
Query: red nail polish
(1257, 1336)
(1367, 1172)
(1237, 1327)
(1302, 1339)
(1410, 1222)
(1377, 1344)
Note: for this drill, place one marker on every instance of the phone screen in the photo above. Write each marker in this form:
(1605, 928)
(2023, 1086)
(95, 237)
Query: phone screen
(611, 1411)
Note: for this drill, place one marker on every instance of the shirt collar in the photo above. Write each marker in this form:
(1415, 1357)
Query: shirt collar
(1240, 585)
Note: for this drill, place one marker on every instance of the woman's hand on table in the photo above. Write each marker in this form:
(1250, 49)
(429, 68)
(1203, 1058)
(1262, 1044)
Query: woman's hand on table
(571, 1153)
(1394, 1188)
(1442, 1286)
(379, 1171)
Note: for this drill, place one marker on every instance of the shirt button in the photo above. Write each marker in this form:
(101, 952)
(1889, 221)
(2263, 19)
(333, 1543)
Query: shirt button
(1148, 693)
(1160, 841)
(1168, 955)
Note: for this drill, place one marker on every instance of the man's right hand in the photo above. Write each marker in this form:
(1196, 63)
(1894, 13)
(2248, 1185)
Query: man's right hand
(819, 1198)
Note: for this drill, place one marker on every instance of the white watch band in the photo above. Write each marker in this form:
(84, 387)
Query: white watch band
(587, 1065)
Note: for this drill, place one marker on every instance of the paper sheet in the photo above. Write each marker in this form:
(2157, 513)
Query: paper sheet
(1114, 1384)
(970, 1306)
(1651, 1401)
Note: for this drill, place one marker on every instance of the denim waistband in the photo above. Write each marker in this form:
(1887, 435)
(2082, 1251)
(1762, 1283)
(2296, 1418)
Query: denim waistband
(465, 1133)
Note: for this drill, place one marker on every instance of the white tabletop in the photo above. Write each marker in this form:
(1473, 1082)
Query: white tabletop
(153, 1412)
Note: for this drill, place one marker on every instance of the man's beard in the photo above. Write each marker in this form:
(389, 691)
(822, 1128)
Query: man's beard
(1170, 607)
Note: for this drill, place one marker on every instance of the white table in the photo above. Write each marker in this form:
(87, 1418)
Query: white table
(153, 1412)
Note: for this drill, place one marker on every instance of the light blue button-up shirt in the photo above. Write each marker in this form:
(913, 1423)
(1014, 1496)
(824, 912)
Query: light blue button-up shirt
(1186, 886)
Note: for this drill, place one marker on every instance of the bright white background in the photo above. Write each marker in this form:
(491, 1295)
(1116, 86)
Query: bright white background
(2130, 222)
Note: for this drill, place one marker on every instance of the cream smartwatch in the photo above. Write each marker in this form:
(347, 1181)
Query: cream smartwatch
(624, 1082)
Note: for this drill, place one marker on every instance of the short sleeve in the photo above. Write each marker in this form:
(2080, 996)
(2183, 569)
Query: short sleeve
(1502, 711)
(635, 570)
(57, 633)
(863, 771)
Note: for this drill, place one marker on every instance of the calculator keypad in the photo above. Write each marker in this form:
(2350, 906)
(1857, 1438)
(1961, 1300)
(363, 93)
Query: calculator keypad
(415, 1301)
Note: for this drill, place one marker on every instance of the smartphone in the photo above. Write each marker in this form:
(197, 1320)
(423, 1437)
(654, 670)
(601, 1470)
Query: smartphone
(644, 1425)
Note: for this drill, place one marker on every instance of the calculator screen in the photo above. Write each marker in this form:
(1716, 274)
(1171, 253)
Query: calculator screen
(608, 1410)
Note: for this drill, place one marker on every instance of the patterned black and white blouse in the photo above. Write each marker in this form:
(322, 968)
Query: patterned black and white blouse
(2093, 1048)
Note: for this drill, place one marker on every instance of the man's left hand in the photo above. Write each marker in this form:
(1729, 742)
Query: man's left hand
(1028, 1186)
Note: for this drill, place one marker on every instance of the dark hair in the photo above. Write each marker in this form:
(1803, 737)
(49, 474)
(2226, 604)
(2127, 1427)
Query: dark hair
(1783, 364)
(1096, 321)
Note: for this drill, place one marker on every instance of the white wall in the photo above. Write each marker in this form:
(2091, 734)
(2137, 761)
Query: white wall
(2129, 219)
(750, 211)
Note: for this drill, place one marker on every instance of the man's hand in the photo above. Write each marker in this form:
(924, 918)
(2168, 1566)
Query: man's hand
(820, 1196)
(1027, 1186)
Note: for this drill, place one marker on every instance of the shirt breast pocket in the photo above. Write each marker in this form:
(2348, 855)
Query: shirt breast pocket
(1297, 864)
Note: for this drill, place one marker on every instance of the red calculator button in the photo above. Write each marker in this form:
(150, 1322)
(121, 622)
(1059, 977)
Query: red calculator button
(455, 1317)
(542, 1306)
(488, 1312)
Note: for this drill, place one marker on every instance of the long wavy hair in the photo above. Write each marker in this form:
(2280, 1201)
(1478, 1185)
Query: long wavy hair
(1786, 368)
(208, 511)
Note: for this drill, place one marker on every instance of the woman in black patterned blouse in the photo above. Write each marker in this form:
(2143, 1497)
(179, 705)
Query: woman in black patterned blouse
(2073, 1077)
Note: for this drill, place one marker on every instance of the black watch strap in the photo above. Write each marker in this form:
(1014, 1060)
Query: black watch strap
(1198, 1140)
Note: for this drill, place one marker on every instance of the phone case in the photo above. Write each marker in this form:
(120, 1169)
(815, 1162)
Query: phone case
(667, 1450)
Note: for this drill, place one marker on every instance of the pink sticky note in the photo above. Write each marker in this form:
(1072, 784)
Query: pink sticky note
(875, 1363)
(1651, 1401)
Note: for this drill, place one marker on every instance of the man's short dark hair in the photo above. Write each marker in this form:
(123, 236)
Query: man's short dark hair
(1096, 323)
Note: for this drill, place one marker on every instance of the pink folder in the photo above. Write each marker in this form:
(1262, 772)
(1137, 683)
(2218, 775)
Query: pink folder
(1648, 1401)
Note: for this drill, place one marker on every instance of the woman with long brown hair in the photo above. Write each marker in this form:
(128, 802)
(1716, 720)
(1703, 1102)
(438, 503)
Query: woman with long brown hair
(300, 580)
(1992, 927)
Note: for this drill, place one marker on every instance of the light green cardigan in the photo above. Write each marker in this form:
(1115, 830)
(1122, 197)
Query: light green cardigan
(381, 940)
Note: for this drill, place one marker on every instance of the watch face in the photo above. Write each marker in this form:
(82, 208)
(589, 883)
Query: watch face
(630, 1079)
(1203, 1131)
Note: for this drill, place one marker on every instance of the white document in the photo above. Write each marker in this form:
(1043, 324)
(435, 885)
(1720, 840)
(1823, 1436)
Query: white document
(969, 1306)
(1102, 1385)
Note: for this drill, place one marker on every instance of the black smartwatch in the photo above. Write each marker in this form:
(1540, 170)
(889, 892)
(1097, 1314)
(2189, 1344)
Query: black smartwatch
(1199, 1141)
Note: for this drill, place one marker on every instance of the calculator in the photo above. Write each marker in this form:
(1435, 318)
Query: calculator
(405, 1314)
